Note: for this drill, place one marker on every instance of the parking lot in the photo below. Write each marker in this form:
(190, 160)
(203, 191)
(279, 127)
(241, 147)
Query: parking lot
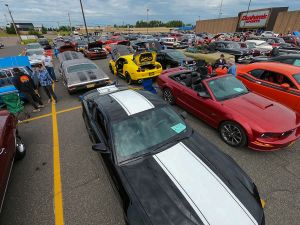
(60, 167)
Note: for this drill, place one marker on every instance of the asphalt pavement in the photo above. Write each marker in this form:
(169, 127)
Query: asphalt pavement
(87, 195)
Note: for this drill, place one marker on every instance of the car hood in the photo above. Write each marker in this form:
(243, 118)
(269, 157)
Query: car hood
(264, 113)
(85, 77)
(166, 184)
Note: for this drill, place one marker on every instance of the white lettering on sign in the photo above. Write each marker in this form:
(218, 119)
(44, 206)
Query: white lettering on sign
(254, 19)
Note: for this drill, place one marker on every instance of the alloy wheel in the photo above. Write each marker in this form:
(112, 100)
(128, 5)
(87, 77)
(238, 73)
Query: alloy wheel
(232, 134)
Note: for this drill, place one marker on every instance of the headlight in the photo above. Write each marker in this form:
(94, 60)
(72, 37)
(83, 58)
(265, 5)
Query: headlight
(270, 135)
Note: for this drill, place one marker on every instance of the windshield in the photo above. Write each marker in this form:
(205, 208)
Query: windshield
(31, 53)
(232, 45)
(139, 134)
(227, 87)
(176, 54)
(280, 40)
(34, 46)
(251, 45)
(81, 67)
(297, 77)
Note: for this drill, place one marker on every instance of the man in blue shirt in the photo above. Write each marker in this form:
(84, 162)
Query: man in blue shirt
(46, 82)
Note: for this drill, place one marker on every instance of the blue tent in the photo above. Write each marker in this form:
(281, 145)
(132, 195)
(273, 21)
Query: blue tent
(14, 61)
(297, 33)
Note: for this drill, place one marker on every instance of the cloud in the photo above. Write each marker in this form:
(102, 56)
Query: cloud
(107, 12)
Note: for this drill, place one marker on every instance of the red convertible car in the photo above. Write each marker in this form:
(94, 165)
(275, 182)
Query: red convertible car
(242, 117)
(11, 147)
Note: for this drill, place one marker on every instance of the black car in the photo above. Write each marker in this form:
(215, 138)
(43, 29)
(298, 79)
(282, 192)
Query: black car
(232, 48)
(164, 172)
(146, 45)
(170, 58)
(292, 59)
(44, 43)
(1, 45)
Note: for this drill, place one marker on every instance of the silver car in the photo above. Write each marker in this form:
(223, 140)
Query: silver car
(81, 74)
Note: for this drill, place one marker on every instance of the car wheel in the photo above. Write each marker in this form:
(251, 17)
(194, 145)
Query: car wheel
(168, 96)
(233, 134)
(128, 78)
(20, 148)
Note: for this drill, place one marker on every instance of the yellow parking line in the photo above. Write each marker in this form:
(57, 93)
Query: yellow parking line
(36, 118)
(58, 198)
(69, 109)
(49, 114)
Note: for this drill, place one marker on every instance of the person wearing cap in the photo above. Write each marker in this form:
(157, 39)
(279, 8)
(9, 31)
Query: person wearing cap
(221, 61)
(24, 83)
(48, 63)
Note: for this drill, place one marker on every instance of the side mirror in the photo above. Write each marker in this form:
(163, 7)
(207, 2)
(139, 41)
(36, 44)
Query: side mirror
(203, 94)
(285, 86)
(183, 114)
(100, 147)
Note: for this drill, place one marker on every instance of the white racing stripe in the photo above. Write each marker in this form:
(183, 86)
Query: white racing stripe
(132, 102)
(211, 199)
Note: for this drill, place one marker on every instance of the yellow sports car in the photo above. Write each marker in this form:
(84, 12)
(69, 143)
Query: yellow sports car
(134, 67)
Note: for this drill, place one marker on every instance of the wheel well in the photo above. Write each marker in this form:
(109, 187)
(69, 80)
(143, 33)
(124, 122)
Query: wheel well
(245, 130)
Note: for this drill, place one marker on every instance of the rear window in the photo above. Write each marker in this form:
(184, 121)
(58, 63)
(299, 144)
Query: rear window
(81, 67)
(256, 73)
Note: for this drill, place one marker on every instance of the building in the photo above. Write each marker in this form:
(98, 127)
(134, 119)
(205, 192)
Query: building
(277, 19)
(24, 26)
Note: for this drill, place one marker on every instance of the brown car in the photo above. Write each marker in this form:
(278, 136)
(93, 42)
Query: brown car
(95, 51)
(11, 148)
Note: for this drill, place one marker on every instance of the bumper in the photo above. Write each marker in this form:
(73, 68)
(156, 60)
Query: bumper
(262, 145)
(90, 85)
(96, 56)
(146, 74)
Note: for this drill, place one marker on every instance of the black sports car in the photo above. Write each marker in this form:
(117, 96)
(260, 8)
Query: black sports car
(232, 48)
(292, 59)
(170, 58)
(165, 172)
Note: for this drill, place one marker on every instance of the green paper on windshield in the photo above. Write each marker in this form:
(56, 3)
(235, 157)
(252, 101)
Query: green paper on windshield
(178, 128)
(238, 89)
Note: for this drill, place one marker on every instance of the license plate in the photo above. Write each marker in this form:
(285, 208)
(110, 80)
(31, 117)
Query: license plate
(90, 85)
(151, 74)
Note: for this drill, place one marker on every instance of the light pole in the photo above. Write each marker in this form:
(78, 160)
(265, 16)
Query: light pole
(147, 20)
(12, 19)
(221, 6)
(86, 30)
(247, 11)
(70, 22)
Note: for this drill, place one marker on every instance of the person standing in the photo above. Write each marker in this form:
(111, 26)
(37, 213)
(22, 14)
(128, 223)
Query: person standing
(232, 67)
(48, 63)
(221, 61)
(24, 83)
(46, 83)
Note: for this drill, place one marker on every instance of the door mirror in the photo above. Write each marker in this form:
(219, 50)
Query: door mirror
(100, 147)
(203, 94)
(285, 86)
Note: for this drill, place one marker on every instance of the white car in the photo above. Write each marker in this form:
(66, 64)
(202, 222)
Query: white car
(34, 46)
(35, 55)
(269, 34)
(259, 44)
(147, 38)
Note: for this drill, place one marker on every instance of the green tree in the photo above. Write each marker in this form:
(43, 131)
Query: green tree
(10, 29)
(44, 30)
(33, 32)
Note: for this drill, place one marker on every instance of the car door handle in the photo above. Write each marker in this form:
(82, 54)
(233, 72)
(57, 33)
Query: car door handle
(2, 151)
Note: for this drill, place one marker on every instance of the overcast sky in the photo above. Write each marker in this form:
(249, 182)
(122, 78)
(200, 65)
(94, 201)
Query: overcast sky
(109, 12)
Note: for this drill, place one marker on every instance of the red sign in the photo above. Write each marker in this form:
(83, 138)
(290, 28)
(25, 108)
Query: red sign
(254, 19)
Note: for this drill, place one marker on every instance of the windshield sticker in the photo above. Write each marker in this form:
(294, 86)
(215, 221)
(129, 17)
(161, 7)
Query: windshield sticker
(238, 89)
(178, 128)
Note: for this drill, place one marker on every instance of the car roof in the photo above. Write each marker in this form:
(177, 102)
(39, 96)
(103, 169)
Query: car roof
(77, 61)
(288, 56)
(124, 103)
(275, 66)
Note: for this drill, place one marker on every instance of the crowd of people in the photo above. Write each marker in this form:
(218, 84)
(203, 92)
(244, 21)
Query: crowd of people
(42, 77)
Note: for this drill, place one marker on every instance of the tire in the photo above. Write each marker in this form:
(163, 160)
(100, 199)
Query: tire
(168, 96)
(20, 148)
(128, 78)
(233, 134)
